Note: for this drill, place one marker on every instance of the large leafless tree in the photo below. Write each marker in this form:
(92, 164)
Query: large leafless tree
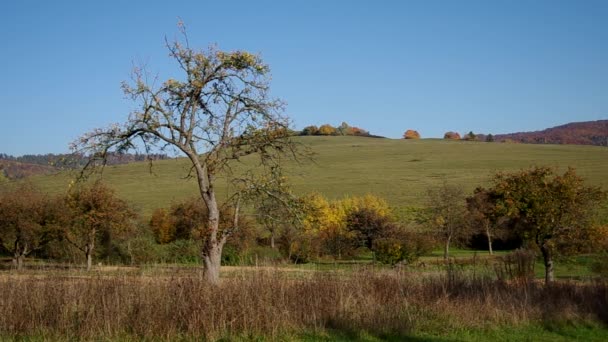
(218, 112)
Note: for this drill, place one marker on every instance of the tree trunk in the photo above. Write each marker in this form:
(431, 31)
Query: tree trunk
(212, 261)
(272, 240)
(19, 255)
(212, 249)
(89, 261)
(489, 235)
(446, 249)
(88, 251)
(548, 259)
(18, 260)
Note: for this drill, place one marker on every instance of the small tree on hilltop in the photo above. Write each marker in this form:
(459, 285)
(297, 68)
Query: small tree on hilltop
(451, 135)
(411, 134)
(554, 212)
(327, 129)
(219, 112)
(470, 136)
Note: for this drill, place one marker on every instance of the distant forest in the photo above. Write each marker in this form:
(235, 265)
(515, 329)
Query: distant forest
(12, 167)
(575, 133)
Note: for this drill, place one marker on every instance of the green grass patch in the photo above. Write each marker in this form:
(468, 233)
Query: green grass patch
(356, 166)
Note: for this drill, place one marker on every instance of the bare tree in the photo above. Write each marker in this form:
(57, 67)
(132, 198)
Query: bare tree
(219, 112)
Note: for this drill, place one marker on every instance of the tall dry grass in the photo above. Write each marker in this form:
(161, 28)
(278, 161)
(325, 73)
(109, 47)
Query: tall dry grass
(272, 304)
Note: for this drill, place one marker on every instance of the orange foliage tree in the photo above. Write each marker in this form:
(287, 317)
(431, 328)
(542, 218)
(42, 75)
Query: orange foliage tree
(451, 135)
(411, 134)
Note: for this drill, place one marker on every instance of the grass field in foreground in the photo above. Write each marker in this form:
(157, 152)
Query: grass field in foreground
(266, 304)
(401, 171)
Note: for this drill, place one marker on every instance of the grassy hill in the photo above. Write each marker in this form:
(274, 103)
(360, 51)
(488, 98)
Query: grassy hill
(399, 170)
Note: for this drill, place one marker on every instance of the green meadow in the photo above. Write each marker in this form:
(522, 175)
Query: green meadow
(400, 170)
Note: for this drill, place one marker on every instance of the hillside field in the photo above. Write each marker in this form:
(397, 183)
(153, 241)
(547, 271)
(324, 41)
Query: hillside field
(401, 171)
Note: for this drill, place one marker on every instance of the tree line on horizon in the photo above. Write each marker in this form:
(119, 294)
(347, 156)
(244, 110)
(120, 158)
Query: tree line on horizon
(19, 167)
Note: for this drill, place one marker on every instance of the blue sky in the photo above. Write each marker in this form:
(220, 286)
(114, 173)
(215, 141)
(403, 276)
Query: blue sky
(386, 66)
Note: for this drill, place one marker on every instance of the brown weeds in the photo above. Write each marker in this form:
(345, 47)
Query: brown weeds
(270, 303)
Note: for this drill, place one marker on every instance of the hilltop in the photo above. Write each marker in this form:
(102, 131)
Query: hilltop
(399, 170)
(575, 133)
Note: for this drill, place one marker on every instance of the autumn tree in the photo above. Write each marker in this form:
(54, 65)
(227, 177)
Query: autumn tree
(411, 134)
(162, 226)
(481, 212)
(451, 135)
(470, 136)
(446, 212)
(310, 130)
(344, 129)
(327, 129)
(28, 221)
(552, 211)
(219, 111)
(94, 211)
(277, 210)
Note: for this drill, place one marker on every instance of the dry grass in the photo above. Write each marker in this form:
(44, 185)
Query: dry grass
(272, 304)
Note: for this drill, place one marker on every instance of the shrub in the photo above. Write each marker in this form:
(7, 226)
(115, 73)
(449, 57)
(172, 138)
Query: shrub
(401, 245)
(411, 134)
(451, 135)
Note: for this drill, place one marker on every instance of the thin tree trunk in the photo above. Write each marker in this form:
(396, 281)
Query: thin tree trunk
(89, 261)
(548, 259)
(489, 235)
(272, 240)
(446, 249)
(18, 260)
(88, 251)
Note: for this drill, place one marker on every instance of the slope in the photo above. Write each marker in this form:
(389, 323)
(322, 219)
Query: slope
(399, 170)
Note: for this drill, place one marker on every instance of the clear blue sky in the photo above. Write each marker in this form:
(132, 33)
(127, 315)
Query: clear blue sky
(386, 66)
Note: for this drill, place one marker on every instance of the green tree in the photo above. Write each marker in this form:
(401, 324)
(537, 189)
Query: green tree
(470, 136)
(310, 130)
(220, 111)
(555, 212)
(490, 138)
(447, 214)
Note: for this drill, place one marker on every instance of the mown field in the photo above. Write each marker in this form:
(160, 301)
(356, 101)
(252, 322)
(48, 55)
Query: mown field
(401, 171)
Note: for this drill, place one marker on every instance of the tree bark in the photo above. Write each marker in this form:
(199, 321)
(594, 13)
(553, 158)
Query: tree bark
(212, 261)
(88, 251)
(548, 260)
(18, 260)
(446, 249)
(272, 240)
(89, 261)
(489, 235)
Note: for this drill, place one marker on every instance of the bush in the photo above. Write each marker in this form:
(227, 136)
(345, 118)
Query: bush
(183, 252)
(402, 246)
(411, 134)
(142, 250)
